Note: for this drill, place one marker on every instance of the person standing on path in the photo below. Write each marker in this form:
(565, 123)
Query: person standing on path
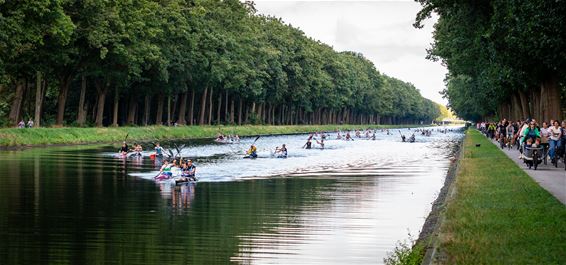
(555, 133)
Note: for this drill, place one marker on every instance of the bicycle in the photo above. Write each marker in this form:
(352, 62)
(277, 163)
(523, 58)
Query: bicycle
(531, 157)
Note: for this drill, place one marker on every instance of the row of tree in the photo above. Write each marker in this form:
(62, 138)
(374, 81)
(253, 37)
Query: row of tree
(186, 61)
(505, 58)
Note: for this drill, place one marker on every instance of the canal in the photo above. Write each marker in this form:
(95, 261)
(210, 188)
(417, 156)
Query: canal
(349, 203)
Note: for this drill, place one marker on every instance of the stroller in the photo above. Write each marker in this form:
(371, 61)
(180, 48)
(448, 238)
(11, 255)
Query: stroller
(532, 156)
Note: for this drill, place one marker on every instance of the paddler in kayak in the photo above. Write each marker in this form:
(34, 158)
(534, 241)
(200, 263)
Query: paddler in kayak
(321, 143)
(308, 144)
(124, 149)
(281, 152)
(158, 150)
(165, 171)
(252, 152)
(189, 172)
(137, 150)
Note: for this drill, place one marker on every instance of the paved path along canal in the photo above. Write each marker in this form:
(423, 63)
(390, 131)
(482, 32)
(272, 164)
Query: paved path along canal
(549, 177)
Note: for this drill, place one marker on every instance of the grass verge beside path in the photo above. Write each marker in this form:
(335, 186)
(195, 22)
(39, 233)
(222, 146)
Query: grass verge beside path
(10, 137)
(499, 215)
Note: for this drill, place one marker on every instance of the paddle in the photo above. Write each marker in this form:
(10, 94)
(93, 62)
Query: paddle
(256, 138)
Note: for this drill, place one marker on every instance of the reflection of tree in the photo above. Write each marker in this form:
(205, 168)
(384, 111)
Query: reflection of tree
(87, 212)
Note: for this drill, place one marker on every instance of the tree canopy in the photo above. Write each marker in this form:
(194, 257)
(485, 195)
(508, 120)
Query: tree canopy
(185, 61)
(505, 58)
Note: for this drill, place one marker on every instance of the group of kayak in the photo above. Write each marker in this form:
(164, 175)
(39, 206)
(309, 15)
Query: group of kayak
(180, 173)
(125, 150)
(279, 152)
(227, 139)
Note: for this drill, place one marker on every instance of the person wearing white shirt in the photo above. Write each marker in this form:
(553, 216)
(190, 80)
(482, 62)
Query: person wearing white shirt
(555, 133)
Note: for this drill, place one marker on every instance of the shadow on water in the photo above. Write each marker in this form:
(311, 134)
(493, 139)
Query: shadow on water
(342, 205)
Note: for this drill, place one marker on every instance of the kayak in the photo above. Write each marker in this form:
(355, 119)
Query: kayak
(183, 180)
(136, 154)
(154, 156)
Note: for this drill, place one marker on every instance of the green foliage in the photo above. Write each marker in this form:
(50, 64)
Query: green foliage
(141, 49)
(494, 49)
(406, 253)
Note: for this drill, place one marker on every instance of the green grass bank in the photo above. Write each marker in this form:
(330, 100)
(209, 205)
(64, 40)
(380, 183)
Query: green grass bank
(12, 137)
(498, 214)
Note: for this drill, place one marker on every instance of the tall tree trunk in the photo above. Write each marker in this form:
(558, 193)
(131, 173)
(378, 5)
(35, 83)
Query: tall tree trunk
(38, 98)
(269, 114)
(524, 105)
(102, 90)
(174, 102)
(219, 108)
(64, 84)
(81, 113)
(280, 118)
(203, 106)
(159, 114)
(226, 117)
(168, 110)
(146, 105)
(232, 111)
(240, 111)
(132, 109)
(210, 106)
(182, 109)
(552, 102)
(15, 110)
(247, 114)
(518, 111)
(192, 108)
(116, 105)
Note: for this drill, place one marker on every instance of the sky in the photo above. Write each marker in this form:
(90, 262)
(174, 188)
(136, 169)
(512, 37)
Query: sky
(381, 30)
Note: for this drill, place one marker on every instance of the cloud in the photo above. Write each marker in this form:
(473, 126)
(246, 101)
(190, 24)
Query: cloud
(381, 30)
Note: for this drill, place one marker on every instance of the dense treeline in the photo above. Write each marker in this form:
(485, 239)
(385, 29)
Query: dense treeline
(186, 61)
(505, 58)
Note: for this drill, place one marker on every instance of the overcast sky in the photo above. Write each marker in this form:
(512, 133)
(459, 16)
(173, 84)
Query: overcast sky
(381, 30)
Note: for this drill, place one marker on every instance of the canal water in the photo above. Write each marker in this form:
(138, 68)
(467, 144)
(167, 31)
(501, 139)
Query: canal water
(349, 203)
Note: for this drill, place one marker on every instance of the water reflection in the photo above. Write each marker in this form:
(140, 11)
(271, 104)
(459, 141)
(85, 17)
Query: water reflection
(183, 195)
(348, 204)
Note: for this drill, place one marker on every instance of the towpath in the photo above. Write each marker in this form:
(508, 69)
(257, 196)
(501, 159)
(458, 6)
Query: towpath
(547, 176)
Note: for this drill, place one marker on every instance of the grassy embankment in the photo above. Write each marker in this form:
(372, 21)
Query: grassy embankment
(499, 215)
(72, 135)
